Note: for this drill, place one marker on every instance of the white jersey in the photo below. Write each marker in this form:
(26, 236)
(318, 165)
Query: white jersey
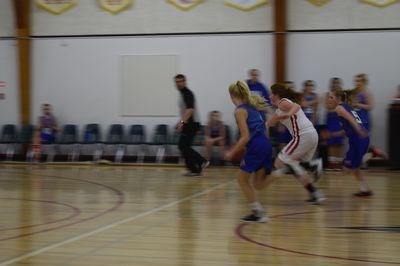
(298, 123)
(304, 140)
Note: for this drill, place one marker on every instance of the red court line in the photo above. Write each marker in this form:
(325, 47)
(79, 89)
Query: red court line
(120, 201)
(75, 212)
(240, 234)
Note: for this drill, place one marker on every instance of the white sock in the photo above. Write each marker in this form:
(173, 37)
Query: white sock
(280, 172)
(256, 206)
(337, 159)
(364, 186)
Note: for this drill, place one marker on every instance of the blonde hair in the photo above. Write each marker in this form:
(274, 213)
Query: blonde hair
(363, 77)
(240, 90)
(347, 96)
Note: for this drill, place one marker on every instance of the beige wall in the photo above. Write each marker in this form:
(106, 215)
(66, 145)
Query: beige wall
(341, 14)
(150, 16)
(7, 28)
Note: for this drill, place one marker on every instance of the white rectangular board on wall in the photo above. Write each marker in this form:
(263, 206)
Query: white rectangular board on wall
(147, 85)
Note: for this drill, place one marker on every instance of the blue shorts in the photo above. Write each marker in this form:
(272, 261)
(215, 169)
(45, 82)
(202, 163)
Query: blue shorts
(357, 148)
(335, 141)
(47, 137)
(284, 137)
(258, 155)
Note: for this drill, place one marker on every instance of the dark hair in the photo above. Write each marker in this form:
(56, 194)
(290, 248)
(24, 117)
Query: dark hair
(308, 81)
(213, 112)
(180, 76)
(284, 91)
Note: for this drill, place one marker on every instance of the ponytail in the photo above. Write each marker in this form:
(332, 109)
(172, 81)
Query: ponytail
(284, 91)
(241, 91)
(346, 96)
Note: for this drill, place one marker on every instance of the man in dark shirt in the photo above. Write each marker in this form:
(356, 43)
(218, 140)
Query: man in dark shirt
(188, 127)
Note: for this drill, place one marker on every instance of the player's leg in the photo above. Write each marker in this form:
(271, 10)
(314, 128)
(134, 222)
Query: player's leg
(257, 211)
(262, 180)
(301, 175)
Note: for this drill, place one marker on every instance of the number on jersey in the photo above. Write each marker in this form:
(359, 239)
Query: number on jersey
(358, 119)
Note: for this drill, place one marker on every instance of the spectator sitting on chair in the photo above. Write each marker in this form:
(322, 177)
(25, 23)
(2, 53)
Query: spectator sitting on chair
(47, 125)
(214, 135)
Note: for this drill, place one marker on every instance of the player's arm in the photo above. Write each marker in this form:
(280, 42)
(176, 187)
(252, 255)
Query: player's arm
(55, 126)
(39, 124)
(272, 121)
(222, 131)
(265, 93)
(207, 133)
(289, 107)
(325, 134)
(315, 102)
(369, 105)
(346, 115)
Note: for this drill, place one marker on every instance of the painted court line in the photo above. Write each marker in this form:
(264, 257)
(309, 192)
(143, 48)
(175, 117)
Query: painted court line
(109, 226)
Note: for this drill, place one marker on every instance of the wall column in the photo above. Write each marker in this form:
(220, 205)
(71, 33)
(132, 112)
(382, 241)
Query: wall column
(23, 29)
(280, 40)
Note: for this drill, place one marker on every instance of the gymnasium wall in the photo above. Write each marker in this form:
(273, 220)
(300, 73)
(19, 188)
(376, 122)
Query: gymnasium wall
(81, 76)
(9, 104)
(7, 19)
(151, 17)
(341, 14)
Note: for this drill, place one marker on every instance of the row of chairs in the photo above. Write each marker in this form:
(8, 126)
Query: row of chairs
(12, 138)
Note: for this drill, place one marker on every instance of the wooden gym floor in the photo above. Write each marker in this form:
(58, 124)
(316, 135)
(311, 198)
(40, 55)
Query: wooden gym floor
(142, 215)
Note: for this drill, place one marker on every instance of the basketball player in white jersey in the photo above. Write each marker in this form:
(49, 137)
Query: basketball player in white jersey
(300, 150)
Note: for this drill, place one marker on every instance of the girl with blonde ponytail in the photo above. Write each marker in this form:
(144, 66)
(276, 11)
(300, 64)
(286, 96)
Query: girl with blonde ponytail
(249, 116)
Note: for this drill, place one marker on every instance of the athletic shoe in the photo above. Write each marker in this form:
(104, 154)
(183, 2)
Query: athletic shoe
(376, 152)
(330, 167)
(204, 165)
(338, 167)
(363, 194)
(192, 174)
(317, 169)
(368, 156)
(316, 198)
(255, 217)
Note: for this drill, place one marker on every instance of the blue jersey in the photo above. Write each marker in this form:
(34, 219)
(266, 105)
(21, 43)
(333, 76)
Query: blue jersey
(364, 114)
(309, 111)
(255, 120)
(258, 88)
(348, 128)
(333, 122)
(258, 149)
(333, 125)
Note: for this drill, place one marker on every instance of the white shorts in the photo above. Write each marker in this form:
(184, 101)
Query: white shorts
(300, 148)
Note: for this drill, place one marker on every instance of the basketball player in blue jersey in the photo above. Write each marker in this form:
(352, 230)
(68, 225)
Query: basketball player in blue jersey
(333, 133)
(355, 128)
(257, 159)
(363, 104)
(309, 103)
